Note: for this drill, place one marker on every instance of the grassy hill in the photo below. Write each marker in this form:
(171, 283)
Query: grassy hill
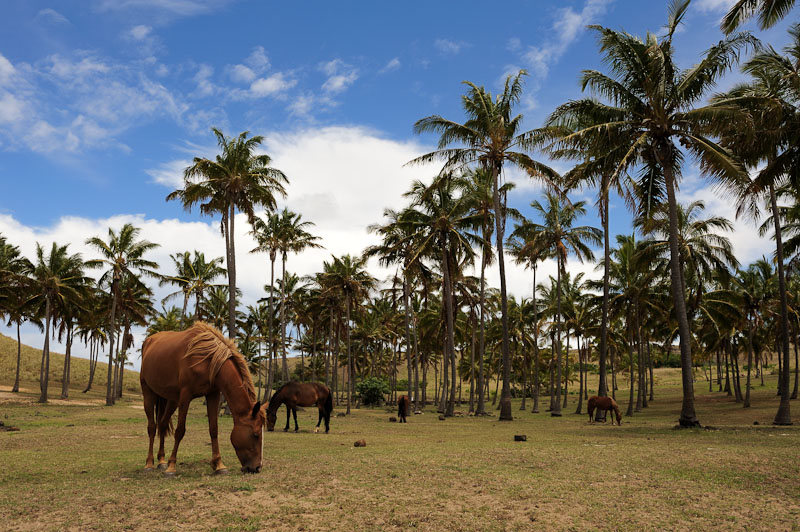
(31, 360)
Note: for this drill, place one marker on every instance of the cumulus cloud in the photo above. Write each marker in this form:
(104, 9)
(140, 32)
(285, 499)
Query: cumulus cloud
(254, 65)
(340, 76)
(272, 85)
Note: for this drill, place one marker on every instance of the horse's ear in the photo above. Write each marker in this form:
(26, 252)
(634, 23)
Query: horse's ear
(256, 408)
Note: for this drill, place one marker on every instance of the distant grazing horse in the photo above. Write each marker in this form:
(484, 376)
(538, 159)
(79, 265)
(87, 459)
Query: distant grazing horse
(180, 366)
(605, 404)
(402, 408)
(295, 394)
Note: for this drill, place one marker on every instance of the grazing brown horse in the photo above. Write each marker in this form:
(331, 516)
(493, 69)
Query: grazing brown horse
(180, 366)
(605, 404)
(402, 408)
(295, 394)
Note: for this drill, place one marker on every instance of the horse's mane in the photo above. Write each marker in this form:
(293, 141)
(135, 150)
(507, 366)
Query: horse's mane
(274, 401)
(209, 344)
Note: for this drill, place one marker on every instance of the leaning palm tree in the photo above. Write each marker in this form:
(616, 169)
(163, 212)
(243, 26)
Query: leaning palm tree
(59, 280)
(558, 235)
(651, 108)
(490, 138)
(769, 13)
(238, 178)
(123, 256)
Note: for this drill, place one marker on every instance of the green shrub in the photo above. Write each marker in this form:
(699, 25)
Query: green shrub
(372, 390)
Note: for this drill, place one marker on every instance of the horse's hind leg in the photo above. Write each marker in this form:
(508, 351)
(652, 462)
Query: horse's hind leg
(163, 429)
(288, 417)
(591, 412)
(212, 408)
(180, 430)
(150, 411)
(321, 415)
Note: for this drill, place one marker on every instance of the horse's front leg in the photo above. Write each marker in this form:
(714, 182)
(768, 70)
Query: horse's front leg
(149, 410)
(294, 413)
(321, 415)
(180, 430)
(212, 408)
(288, 417)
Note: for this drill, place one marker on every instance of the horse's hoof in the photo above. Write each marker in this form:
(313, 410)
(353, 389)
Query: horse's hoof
(286, 430)
(316, 430)
(169, 474)
(162, 466)
(222, 471)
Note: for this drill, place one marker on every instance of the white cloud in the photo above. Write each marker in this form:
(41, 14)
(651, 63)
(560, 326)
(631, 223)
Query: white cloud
(203, 79)
(256, 64)
(394, 64)
(52, 16)
(140, 32)
(275, 84)
(340, 76)
(714, 5)
(447, 47)
(174, 7)
(566, 29)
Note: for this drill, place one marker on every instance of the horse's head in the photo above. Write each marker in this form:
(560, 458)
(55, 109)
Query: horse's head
(272, 417)
(619, 416)
(246, 439)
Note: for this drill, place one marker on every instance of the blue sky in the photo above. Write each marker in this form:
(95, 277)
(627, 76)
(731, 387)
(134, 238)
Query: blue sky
(104, 102)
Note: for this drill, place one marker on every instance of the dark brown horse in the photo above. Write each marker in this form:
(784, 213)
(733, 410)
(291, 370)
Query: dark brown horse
(402, 408)
(295, 394)
(603, 404)
(180, 366)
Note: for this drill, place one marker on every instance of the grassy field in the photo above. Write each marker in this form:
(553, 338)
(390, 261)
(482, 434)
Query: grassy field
(79, 467)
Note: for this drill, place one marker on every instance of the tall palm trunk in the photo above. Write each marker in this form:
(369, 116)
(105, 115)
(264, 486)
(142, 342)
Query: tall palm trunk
(44, 370)
(349, 357)
(688, 418)
(231, 272)
(407, 324)
(450, 357)
(783, 416)
(92, 364)
(15, 389)
(472, 361)
(556, 406)
(284, 363)
(796, 362)
(630, 326)
(580, 372)
(499, 223)
(67, 365)
(481, 410)
(535, 409)
(749, 362)
(601, 387)
(111, 327)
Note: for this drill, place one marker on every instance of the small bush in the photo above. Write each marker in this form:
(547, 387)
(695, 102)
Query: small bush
(372, 390)
(402, 385)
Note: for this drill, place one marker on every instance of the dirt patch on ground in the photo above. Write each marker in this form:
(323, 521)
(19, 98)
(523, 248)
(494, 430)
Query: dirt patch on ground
(25, 397)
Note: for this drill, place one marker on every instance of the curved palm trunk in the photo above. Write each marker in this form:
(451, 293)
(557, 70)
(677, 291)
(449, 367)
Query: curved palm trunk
(556, 409)
(499, 222)
(111, 330)
(783, 416)
(44, 370)
(231, 273)
(15, 389)
(688, 418)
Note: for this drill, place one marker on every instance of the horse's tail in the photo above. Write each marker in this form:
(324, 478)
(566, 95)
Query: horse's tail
(329, 403)
(166, 428)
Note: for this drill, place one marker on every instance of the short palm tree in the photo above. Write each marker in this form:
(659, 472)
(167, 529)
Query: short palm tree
(193, 275)
(122, 256)
(237, 179)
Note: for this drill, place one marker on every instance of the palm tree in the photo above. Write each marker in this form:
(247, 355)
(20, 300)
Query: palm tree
(294, 238)
(650, 108)
(347, 277)
(123, 256)
(442, 220)
(770, 101)
(769, 13)
(558, 235)
(238, 178)
(59, 280)
(15, 288)
(489, 137)
(193, 275)
(753, 288)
